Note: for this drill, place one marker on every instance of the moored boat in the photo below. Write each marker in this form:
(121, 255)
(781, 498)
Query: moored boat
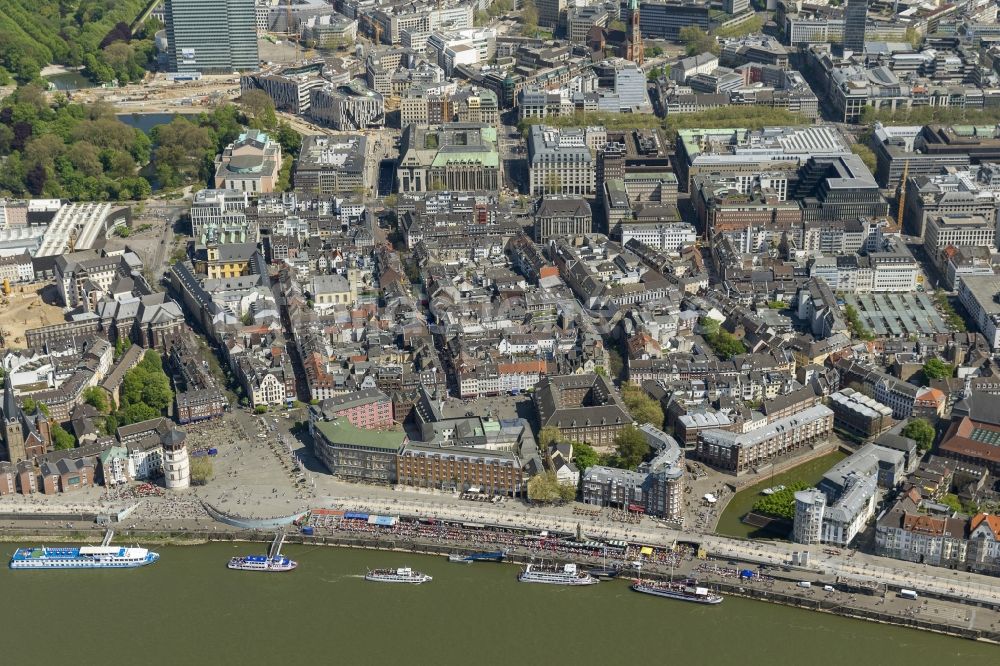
(459, 559)
(400, 575)
(687, 590)
(555, 575)
(262, 563)
(84, 557)
(605, 572)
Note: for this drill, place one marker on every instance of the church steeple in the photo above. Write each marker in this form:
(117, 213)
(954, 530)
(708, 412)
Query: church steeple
(634, 50)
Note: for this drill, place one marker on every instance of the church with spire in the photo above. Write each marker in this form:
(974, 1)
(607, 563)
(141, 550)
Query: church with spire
(633, 38)
(608, 42)
(24, 435)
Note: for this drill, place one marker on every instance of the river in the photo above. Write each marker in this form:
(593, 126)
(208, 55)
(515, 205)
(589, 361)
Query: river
(189, 609)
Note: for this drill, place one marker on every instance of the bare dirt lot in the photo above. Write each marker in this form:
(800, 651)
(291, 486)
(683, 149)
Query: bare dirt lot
(28, 306)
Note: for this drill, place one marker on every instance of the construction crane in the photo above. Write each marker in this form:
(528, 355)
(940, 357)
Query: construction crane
(288, 28)
(374, 28)
(901, 199)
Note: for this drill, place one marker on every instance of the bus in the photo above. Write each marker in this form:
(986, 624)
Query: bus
(908, 594)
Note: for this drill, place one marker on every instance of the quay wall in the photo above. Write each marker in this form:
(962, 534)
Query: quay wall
(651, 571)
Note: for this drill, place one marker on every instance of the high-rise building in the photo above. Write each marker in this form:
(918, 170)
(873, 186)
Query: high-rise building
(217, 37)
(549, 12)
(855, 18)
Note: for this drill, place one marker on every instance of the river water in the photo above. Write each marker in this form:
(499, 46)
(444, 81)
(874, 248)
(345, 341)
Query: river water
(189, 609)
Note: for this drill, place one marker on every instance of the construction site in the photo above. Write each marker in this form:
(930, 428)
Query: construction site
(26, 306)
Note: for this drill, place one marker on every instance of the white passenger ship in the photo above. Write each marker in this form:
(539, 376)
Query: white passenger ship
(85, 557)
(555, 575)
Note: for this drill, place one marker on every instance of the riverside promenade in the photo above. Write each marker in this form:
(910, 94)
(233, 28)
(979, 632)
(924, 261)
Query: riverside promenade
(180, 512)
(967, 587)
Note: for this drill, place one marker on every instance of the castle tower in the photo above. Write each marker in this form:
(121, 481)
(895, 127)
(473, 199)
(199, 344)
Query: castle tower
(634, 50)
(176, 465)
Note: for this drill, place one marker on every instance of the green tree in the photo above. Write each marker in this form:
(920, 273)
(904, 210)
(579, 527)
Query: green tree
(584, 456)
(866, 155)
(922, 432)
(136, 413)
(935, 368)
(260, 409)
(723, 343)
(61, 439)
(547, 436)
(856, 326)
(753, 24)
(258, 107)
(544, 487)
(289, 138)
(29, 405)
(529, 18)
(201, 470)
(96, 398)
(781, 503)
(631, 447)
(697, 41)
(121, 346)
(642, 407)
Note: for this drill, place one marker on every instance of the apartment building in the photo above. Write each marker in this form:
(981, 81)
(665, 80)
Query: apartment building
(739, 453)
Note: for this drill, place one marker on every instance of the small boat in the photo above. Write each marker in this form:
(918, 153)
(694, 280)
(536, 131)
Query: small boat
(400, 575)
(491, 556)
(262, 563)
(459, 559)
(555, 575)
(771, 491)
(686, 590)
(605, 572)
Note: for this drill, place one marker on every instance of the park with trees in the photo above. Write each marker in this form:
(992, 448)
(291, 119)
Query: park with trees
(93, 34)
(62, 150)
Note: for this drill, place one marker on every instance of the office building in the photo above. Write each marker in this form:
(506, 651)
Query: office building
(348, 107)
(980, 295)
(957, 229)
(219, 216)
(665, 19)
(288, 87)
(560, 161)
(452, 156)
(562, 216)
(855, 18)
(549, 12)
(218, 37)
(331, 164)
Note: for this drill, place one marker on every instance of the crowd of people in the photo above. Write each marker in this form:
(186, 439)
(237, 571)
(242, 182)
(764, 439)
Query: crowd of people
(494, 538)
(623, 516)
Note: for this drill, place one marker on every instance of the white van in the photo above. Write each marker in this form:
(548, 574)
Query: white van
(829, 588)
(804, 583)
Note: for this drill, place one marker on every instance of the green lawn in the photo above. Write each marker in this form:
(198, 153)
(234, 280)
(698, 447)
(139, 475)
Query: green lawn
(810, 472)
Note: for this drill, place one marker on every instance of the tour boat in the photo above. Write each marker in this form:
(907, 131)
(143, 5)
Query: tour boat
(400, 575)
(555, 575)
(262, 563)
(84, 557)
(683, 591)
